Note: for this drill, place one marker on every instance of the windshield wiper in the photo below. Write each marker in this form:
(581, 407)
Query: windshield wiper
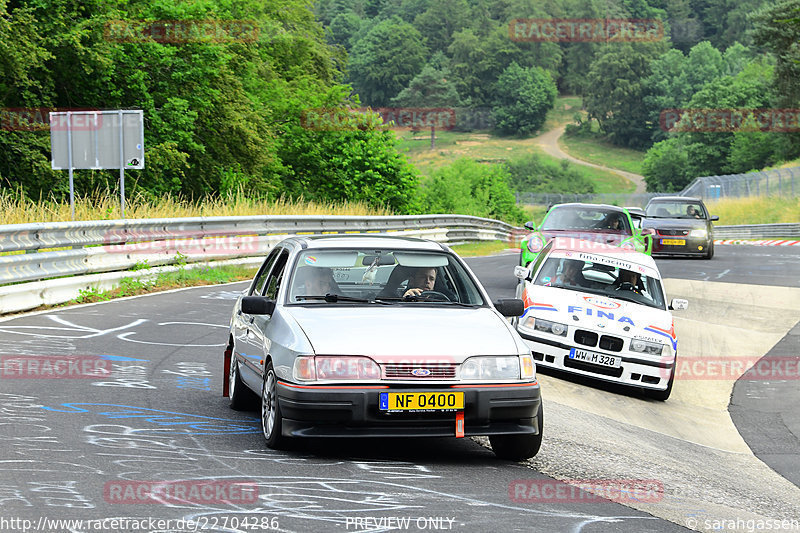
(392, 299)
(334, 298)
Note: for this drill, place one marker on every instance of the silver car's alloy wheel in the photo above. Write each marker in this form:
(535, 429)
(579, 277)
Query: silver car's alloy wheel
(268, 405)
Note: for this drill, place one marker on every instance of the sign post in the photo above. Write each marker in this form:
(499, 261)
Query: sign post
(97, 140)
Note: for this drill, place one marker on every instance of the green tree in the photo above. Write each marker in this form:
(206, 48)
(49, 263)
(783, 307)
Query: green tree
(615, 92)
(666, 166)
(431, 88)
(342, 29)
(385, 60)
(522, 99)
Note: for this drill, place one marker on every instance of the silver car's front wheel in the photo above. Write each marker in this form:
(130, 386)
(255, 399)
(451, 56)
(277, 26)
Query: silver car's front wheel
(270, 409)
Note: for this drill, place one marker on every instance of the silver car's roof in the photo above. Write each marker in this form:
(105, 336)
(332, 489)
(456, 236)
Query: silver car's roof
(318, 242)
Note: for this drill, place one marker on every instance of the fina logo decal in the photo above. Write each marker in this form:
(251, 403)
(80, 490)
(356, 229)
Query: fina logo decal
(310, 260)
(421, 372)
(602, 304)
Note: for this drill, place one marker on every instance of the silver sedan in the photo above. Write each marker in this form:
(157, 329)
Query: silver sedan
(374, 336)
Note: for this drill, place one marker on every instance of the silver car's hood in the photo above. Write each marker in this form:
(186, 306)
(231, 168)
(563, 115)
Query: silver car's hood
(388, 334)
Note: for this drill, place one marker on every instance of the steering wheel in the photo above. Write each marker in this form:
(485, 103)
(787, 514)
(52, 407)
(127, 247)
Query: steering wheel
(627, 286)
(435, 296)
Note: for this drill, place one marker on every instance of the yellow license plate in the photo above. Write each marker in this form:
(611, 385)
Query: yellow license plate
(673, 242)
(421, 401)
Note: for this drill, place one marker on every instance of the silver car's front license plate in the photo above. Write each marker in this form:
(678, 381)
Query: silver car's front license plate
(611, 361)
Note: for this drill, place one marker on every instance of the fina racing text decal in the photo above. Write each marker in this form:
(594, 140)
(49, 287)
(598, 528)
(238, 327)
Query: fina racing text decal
(599, 313)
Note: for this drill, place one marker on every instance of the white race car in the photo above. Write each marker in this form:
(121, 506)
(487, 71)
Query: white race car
(599, 311)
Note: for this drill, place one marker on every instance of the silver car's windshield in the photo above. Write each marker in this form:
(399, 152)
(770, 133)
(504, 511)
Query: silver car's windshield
(597, 278)
(586, 218)
(348, 276)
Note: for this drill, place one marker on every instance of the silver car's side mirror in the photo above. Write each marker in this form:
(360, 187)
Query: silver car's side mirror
(678, 303)
(258, 305)
(521, 272)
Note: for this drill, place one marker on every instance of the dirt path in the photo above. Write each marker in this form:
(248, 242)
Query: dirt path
(549, 143)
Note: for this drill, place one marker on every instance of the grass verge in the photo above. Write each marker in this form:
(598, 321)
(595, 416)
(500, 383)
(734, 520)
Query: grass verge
(168, 280)
(755, 210)
(476, 249)
(602, 153)
(105, 206)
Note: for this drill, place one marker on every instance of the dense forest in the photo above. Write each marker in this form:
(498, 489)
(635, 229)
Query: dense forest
(226, 113)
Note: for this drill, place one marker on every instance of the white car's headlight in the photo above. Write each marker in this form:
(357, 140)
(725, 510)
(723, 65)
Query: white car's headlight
(491, 367)
(652, 348)
(546, 326)
(698, 233)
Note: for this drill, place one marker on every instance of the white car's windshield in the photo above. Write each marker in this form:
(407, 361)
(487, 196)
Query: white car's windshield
(597, 278)
(586, 218)
(353, 275)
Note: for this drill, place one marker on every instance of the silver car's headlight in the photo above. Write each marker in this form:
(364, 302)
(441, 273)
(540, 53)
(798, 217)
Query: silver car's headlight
(538, 324)
(311, 368)
(651, 348)
(698, 233)
(491, 367)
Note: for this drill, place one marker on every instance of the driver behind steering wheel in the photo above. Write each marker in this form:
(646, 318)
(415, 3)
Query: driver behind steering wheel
(629, 281)
(423, 279)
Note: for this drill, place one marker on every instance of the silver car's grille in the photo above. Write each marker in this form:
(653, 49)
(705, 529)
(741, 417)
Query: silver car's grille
(419, 371)
(673, 232)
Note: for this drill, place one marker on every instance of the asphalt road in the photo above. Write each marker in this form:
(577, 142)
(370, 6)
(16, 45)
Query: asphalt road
(78, 448)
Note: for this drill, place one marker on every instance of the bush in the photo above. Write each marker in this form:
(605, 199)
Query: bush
(470, 188)
(531, 174)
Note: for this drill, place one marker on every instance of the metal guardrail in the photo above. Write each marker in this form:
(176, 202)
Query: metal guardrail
(106, 246)
(757, 231)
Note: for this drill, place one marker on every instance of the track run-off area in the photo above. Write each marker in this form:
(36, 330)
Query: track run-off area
(720, 455)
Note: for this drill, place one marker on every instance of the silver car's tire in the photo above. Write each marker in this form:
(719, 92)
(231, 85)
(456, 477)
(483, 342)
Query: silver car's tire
(271, 420)
(518, 447)
(241, 397)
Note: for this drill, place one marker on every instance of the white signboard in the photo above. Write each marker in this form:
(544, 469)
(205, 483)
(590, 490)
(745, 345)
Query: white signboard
(95, 139)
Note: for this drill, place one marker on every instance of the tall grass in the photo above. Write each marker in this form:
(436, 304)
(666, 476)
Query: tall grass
(105, 206)
(755, 210)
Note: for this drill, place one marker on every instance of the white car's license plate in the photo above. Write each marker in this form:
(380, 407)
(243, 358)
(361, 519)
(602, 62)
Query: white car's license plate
(611, 361)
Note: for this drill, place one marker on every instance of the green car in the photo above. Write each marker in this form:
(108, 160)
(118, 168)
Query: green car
(607, 224)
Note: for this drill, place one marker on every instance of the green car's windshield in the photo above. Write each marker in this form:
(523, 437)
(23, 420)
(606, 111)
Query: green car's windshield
(586, 218)
(352, 276)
